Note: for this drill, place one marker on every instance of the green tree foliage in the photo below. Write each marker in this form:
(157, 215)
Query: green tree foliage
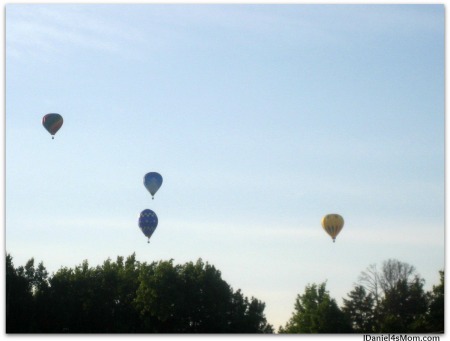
(128, 297)
(390, 300)
(360, 310)
(193, 298)
(403, 308)
(399, 303)
(317, 312)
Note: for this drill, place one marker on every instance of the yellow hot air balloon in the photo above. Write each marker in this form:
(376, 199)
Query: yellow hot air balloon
(333, 224)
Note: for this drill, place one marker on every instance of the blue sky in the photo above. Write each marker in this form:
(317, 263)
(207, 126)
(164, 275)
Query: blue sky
(260, 118)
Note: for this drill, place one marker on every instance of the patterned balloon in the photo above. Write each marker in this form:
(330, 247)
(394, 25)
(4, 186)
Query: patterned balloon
(148, 222)
(52, 122)
(153, 181)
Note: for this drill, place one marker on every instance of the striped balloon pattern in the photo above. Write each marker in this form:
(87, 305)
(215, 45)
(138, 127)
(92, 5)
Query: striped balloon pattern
(52, 123)
(333, 224)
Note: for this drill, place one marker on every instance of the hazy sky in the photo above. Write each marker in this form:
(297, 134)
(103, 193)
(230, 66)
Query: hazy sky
(260, 118)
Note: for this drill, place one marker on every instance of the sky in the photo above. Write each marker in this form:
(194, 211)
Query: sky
(260, 118)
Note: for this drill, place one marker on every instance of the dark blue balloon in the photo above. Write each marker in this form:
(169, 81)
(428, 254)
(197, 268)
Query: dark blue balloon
(148, 221)
(153, 181)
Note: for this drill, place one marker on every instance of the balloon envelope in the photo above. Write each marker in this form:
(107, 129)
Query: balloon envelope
(153, 181)
(148, 222)
(52, 123)
(332, 224)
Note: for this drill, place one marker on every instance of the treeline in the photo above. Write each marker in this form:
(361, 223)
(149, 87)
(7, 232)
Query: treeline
(389, 300)
(127, 296)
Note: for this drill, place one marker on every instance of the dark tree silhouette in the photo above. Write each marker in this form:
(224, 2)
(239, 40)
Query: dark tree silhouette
(403, 308)
(435, 317)
(360, 309)
(128, 297)
(388, 301)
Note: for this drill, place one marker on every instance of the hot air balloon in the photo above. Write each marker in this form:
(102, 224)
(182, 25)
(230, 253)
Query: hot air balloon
(148, 222)
(332, 224)
(52, 122)
(153, 181)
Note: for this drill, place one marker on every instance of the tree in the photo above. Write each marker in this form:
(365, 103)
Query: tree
(370, 281)
(19, 298)
(394, 272)
(92, 300)
(400, 304)
(316, 312)
(193, 298)
(360, 310)
(159, 297)
(379, 282)
(128, 297)
(403, 308)
(435, 316)
(126, 316)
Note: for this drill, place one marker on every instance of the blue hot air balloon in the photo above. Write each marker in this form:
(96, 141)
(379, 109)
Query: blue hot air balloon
(148, 222)
(153, 181)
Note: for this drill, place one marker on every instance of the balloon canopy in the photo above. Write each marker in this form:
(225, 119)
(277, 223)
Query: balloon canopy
(332, 224)
(52, 123)
(153, 181)
(148, 222)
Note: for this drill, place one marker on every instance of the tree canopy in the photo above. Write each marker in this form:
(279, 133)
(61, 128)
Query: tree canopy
(317, 312)
(128, 297)
(390, 300)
